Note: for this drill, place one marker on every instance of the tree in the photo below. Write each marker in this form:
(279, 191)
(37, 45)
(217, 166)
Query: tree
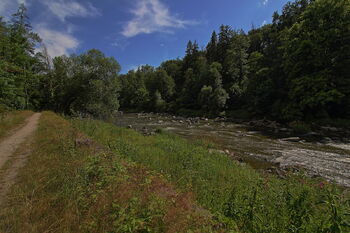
(224, 42)
(159, 104)
(212, 48)
(213, 96)
(163, 83)
(205, 98)
(174, 70)
(85, 84)
(315, 59)
(192, 53)
(19, 85)
(237, 64)
(134, 94)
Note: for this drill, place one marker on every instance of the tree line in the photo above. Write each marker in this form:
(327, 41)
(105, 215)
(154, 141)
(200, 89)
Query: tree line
(295, 68)
(29, 79)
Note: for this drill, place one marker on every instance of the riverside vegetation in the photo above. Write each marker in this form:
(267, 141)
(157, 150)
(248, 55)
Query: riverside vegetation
(86, 175)
(235, 194)
(75, 185)
(117, 180)
(293, 69)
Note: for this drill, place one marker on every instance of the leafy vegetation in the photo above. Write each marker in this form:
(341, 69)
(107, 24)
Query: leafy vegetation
(237, 194)
(294, 69)
(83, 84)
(77, 186)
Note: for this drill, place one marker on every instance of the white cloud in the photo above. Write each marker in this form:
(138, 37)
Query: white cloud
(265, 2)
(64, 9)
(135, 67)
(152, 16)
(8, 7)
(264, 23)
(57, 43)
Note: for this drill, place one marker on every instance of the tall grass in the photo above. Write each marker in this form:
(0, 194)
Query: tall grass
(72, 184)
(236, 193)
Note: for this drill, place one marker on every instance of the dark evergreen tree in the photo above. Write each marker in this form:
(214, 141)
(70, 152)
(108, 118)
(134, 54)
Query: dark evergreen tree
(212, 48)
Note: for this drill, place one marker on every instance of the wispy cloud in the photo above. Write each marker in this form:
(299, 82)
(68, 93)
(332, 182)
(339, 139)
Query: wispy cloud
(57, 43)
(64, 9)
(8, 7)
(152, 16)
(135, 67)
(120, 43)
(265, 2)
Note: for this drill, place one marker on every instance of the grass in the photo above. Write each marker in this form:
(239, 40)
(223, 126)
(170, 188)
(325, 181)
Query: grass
(11, 120)
(72, 184)
(237, 194)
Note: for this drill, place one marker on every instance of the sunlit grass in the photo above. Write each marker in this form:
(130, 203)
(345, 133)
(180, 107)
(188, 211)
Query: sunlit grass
(255, 202)
(72, 184)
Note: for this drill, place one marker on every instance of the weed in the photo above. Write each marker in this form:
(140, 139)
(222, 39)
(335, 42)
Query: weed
(238, 195)
(66, 187)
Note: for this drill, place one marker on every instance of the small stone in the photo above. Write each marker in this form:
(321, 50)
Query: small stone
(291, 139)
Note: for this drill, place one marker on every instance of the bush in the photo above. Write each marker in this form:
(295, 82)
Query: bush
(300, 127)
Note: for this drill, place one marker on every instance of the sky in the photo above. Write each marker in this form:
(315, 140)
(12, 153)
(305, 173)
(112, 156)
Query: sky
(137, 32)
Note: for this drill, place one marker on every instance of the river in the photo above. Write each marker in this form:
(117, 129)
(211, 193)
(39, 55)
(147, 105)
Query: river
(330, 160)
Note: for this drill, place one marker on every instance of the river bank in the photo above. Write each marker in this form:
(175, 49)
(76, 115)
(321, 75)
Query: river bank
(262, 144)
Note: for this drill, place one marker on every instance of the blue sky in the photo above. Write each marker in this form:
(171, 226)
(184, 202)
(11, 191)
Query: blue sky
(137, 32)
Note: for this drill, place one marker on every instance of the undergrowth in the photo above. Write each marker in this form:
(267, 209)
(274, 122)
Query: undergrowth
(234, 192)
(72, 184)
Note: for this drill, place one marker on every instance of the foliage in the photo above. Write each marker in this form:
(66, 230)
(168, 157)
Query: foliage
(84, 84)
(79, 186)
(293, 69)
(18, 75)
(238, 195)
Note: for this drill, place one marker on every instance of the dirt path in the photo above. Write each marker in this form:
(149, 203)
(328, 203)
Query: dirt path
(8, 147)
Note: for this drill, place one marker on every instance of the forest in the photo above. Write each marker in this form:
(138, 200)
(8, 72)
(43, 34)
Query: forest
(295, 68)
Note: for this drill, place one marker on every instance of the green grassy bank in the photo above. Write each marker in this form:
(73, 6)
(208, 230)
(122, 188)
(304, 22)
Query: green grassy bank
(72, 184)
(234, 192)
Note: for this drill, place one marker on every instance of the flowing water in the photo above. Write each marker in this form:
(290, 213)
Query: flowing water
(330, 160)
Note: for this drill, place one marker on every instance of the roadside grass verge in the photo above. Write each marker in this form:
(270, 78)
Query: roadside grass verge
(72, 184)
(234, 192)
(12, 119)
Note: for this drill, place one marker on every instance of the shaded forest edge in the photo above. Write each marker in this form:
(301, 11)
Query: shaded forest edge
(294, 69)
